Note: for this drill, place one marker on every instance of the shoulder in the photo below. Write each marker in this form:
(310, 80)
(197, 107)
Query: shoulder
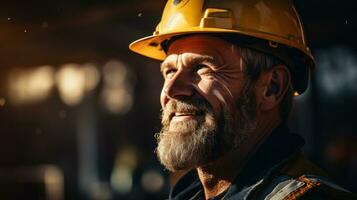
(301, 179)
(304, 187)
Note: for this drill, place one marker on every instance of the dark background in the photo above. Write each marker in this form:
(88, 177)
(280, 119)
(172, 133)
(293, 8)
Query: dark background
(93, 148)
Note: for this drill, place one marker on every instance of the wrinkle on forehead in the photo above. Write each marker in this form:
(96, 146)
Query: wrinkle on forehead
(186, 59)
(200, 45)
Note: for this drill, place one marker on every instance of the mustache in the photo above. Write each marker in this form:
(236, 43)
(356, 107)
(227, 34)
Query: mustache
(186, 105)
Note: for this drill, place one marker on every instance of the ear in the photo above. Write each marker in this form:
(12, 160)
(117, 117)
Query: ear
(276, 82)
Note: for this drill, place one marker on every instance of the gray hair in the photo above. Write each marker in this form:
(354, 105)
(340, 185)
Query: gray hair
(255, 63)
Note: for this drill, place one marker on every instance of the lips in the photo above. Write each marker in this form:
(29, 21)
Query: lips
(184, 110)
(185, 115)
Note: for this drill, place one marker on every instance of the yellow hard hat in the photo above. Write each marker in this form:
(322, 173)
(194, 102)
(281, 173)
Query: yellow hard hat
(274, 25)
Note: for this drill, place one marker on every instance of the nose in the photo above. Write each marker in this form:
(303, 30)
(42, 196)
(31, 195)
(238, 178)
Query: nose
(179, 86)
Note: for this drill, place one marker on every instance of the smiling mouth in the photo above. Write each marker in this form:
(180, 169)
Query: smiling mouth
(185, 115)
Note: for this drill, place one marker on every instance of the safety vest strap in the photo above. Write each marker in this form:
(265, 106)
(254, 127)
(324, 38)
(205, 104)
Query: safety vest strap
(295, 179)
(295, 188)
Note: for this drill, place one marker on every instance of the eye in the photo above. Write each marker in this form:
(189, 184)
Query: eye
(168, 73)
(203, 69)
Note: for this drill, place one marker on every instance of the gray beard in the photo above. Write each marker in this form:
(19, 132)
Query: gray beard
(197, 143)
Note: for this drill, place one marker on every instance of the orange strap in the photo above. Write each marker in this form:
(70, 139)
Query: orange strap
(302, 190)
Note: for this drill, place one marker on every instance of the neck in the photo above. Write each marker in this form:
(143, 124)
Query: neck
(217, 176)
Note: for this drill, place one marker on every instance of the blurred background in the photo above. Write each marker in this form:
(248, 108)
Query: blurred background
(78, 110)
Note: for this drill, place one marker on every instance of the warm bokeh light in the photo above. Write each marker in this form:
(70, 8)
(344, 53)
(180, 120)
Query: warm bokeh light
(122, 176)
(30, 86)
(152, 181)
(115, 73)
(2, 101)
(91, 75)
(117, 100)
(122, 179)
(117, 95)
(73, 80)
(54, 181)
(71, 83)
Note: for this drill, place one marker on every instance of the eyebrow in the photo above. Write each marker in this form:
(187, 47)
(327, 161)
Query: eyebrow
(192, 59)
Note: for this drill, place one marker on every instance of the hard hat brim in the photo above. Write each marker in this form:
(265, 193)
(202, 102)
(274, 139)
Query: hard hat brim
(151, 46)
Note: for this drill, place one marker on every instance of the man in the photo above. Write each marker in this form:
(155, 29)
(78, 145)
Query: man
(231, 69)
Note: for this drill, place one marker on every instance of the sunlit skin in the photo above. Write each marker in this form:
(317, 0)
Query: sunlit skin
(205, 67)
(200, 72)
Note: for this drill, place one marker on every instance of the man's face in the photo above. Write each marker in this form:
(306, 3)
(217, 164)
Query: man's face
(207, 111)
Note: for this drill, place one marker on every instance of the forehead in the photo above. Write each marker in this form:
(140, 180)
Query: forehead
(199, 45)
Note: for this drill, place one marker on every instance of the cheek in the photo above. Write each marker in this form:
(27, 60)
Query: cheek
(217, 94)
